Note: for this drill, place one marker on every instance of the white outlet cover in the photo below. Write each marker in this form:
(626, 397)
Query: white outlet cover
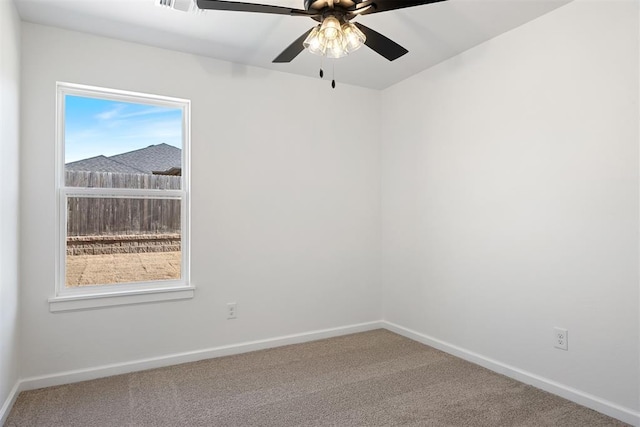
(232, 310)
(561, 338)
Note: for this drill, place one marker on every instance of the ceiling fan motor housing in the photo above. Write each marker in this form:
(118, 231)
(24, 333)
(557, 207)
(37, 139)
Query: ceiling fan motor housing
(323, 4)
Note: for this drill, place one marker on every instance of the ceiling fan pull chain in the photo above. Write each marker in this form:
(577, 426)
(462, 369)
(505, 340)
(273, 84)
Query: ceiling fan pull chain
(333, 78)
(321, 71)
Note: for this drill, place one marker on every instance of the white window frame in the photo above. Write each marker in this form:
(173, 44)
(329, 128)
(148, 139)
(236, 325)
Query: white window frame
(85, 297)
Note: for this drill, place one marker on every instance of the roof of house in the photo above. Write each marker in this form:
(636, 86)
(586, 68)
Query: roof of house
(158, 158)
(154, 158)
(100, 164)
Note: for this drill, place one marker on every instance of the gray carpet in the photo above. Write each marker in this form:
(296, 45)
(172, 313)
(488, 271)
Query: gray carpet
(374, 378)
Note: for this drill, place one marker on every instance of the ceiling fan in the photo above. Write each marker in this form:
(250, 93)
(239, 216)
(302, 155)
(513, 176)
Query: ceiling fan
(335, 36)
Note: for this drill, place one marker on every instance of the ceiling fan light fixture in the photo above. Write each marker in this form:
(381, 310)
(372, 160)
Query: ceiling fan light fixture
(334, 40)
(330, 28)
(336, 48)
(354, 38)
(315, 42)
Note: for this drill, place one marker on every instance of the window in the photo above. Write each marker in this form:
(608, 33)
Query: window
(123, 197)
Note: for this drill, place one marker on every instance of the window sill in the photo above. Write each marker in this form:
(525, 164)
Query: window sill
(85, 302)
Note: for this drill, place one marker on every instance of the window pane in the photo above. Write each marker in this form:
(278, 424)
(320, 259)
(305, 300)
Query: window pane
(117, 144)
(122, 240)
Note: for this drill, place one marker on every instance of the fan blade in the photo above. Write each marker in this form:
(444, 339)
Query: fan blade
(381, 44)
(251, 7)
(385, 5)
(293, 50)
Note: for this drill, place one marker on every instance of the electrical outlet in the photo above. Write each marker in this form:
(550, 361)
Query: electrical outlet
(232, 310)
(561, 338)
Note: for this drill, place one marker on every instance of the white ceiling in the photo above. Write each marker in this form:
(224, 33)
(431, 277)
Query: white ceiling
(431, 33)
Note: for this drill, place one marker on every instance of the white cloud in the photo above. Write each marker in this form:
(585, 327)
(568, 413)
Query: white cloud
(118, 113)
(110, 114)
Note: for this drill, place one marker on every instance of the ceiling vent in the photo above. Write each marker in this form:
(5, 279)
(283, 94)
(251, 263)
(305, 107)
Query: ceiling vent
(182, 5)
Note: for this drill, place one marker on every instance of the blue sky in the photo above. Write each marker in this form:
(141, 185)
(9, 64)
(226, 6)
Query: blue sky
(97, 126)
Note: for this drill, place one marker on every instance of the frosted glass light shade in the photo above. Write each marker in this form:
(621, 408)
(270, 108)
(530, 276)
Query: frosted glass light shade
(354, 38)
(315, 42)
(336, 48)
(330, 28)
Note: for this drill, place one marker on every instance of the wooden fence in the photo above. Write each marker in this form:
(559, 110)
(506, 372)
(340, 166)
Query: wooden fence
(100, 216)
(121, 180)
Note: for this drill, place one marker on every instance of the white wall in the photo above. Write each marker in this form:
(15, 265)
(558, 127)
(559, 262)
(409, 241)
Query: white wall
(9, 137)
(510, 199)
(285, 216)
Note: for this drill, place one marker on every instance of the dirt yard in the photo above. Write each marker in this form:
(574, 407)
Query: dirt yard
(83, 270)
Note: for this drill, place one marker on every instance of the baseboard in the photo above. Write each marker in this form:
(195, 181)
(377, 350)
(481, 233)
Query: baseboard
(69, 377)
(8, 403)
(608, 408)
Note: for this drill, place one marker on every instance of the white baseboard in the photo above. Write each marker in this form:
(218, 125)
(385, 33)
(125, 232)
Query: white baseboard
(8, 403)
(78, 375)
(608, 408)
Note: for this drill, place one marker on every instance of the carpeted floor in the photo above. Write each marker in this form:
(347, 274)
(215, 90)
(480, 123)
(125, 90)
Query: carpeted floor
(374, 378)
